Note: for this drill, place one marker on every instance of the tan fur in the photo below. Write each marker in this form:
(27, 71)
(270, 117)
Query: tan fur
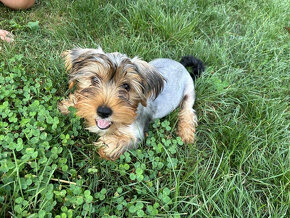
(112, 146)
(71, 85)
(67, 59)
(66, 103)
(187, 122)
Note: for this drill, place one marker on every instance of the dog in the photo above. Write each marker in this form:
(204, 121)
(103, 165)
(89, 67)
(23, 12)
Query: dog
(119, 96)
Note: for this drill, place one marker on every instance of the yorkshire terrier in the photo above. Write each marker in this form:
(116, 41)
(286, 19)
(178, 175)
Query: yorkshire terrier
(119, 96)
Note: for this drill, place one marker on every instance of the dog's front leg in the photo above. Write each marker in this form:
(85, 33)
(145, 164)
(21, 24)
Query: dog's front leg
(66, 103)
(112, 146)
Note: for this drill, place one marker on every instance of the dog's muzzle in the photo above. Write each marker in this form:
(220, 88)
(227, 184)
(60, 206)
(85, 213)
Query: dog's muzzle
(104, 112)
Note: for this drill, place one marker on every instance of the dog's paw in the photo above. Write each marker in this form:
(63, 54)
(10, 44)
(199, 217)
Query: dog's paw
(101, 146)
(109, 153)
(66, 103)
(63, 107)
(103, 155)
(112, 148)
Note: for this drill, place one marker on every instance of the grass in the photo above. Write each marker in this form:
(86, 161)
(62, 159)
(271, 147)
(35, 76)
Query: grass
(239, 165)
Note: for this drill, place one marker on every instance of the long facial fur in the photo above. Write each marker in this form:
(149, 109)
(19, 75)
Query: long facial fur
(99, 77)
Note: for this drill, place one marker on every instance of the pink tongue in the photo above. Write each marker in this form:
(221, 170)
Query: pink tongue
(103, 123)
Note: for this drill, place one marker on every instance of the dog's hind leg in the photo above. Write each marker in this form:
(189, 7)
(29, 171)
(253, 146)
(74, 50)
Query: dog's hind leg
(187, 116)
(187, 119)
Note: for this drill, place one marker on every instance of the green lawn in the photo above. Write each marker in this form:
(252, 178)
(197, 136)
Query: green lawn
(239, 165)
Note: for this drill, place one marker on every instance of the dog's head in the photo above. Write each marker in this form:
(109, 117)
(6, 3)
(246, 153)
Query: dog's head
(110, 86)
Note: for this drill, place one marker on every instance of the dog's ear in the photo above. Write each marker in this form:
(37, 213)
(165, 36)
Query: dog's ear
(70, 57)
(152, 80)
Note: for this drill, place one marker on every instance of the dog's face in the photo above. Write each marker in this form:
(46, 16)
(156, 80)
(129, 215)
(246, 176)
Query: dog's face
(110, 87)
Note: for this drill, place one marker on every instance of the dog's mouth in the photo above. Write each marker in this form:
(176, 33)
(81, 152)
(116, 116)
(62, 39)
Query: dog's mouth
(103, 124)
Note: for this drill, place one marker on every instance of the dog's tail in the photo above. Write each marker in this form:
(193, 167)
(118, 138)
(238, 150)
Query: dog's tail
(196, 65)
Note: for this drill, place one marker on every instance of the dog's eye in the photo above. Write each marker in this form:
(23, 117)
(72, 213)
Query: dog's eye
(95, 80)
(126, 86)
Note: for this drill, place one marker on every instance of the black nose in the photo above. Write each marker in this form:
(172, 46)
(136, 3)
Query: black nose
(104, 111)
